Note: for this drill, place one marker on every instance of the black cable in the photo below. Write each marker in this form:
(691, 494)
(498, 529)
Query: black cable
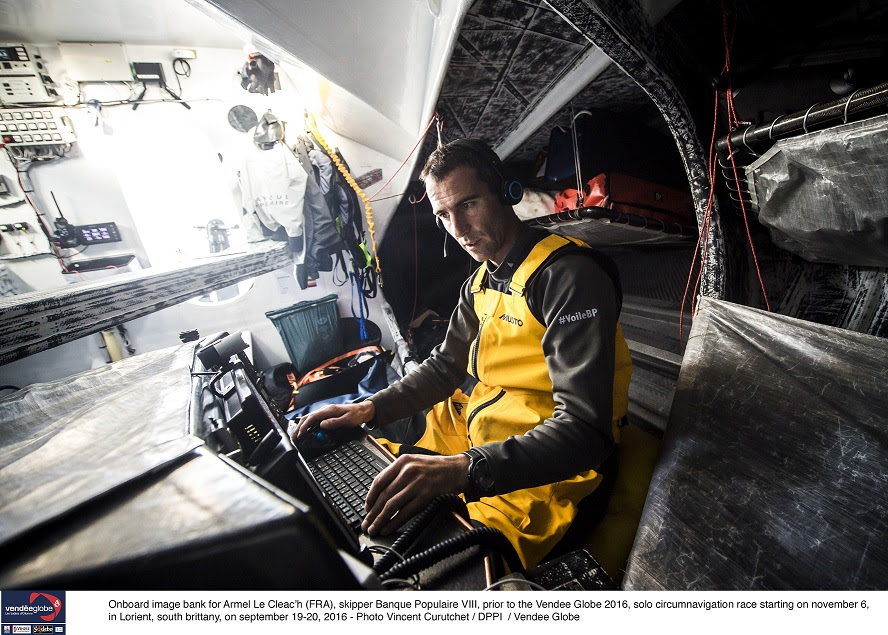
(369, 282)
(186, 67)
(340, 265)
(212, 383)
(186, 71)
(413, 528)
(487, 536)
(76, 253)
(41, 219)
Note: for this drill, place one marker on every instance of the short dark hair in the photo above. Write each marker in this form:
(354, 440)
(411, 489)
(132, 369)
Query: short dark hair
(471, 152)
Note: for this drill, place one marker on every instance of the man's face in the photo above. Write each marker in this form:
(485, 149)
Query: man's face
(473, 215)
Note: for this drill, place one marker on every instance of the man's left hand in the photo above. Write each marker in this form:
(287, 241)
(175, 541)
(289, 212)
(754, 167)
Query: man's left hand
(406, 487)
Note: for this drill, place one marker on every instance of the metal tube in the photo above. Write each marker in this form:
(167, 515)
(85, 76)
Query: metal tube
(786, 125)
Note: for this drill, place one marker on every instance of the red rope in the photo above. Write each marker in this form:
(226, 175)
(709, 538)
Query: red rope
(46, 230)
(403, 163)
(704, 230)
(733, 123)
(758, 270)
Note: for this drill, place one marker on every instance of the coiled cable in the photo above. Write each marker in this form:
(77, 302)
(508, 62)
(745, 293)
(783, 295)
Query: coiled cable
(416, 525)
(487, 536)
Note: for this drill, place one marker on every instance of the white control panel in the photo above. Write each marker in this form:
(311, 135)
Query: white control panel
(23, 76)
(35, 126)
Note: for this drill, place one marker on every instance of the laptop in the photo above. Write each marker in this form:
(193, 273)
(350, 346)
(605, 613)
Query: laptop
(344, 466)
(231, 413)
(332, 474)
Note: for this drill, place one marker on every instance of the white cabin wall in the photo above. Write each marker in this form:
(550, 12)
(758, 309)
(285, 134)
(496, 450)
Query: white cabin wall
(377, 51)
(370, 71)
(90, 187)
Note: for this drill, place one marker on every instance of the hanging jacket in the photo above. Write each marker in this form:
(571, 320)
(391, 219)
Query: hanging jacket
(322, 240)
(280, 189)
(344, 206)
(273, 184)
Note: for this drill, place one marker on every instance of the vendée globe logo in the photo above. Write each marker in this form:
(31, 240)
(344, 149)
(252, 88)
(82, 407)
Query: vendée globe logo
(53, 600)
(33, 606)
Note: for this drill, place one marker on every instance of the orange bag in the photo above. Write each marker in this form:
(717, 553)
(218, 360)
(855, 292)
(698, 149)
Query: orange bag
(631, 195)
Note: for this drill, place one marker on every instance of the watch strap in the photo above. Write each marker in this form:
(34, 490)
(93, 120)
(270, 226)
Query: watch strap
(480, 478)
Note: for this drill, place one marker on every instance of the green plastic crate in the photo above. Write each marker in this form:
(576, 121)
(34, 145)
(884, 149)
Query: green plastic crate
(310, 331)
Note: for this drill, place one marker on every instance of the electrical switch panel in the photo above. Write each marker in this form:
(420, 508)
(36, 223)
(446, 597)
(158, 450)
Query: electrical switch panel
(23, 76)
(36, 126)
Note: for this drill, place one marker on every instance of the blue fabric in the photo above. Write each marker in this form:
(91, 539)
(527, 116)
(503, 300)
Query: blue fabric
(375, 380)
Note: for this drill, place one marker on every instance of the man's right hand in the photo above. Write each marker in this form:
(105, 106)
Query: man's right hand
(333, 416)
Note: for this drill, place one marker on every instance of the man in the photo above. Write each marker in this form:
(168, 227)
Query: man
(536, 328)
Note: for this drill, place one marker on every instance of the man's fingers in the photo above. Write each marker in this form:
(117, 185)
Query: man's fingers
(379, 485)
(397, 494)
(406, 486)
(391, 513)
(306, 422)
(344, 420)
(334, 416)
(389, 520)
(330, 416)
(385, 489)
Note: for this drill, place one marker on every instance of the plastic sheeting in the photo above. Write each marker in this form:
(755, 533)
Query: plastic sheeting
(774, 465)
(66, 442)
(824, 195)
(196, 525)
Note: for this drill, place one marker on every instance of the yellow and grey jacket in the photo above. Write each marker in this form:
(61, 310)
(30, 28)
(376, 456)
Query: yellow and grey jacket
(540, 335)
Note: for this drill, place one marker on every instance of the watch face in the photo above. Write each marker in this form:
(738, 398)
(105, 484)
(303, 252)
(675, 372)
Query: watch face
(481, 476)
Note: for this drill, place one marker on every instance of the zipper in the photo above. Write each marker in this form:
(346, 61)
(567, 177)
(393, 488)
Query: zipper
(480, 407)
(475, 346)
(489, 306)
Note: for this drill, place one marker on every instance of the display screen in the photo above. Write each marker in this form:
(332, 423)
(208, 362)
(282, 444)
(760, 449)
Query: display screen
(98, 233)
(13, 54)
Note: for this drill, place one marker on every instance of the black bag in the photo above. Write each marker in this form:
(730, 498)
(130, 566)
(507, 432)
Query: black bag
(279, 382)
(339, 376)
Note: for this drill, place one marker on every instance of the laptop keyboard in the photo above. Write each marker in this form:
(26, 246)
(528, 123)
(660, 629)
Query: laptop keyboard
(345, 473)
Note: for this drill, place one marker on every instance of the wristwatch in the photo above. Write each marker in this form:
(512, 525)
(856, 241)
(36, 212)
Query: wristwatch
(480, 478)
